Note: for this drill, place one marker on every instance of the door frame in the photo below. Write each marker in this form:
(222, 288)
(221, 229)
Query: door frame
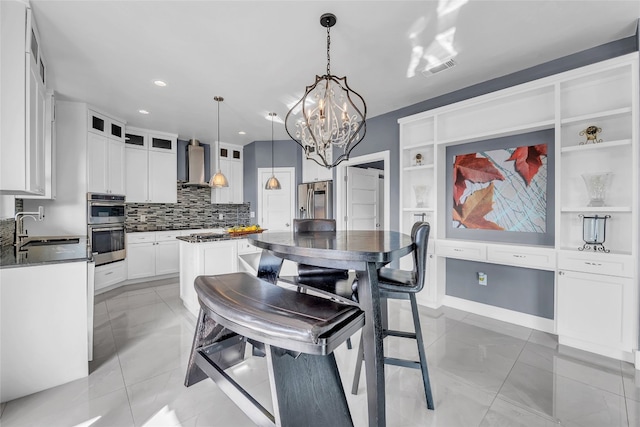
(261, 185)
(341, 190)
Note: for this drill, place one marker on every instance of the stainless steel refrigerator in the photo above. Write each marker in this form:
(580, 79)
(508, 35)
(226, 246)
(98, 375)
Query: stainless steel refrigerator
(315, 200)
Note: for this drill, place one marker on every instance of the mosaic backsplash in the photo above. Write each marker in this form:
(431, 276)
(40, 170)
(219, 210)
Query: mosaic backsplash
(8, 226)
(193, 210)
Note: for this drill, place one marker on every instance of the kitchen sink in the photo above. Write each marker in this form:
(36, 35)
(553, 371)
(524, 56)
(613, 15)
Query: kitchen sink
(50, 241)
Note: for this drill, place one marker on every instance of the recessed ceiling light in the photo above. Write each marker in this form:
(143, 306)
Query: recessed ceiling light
(143, 112)
(242, 132)
(159, 83)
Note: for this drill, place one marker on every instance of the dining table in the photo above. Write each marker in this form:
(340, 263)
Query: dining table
(363, 251)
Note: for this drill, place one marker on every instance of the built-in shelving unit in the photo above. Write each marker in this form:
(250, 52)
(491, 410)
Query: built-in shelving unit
(604, 95)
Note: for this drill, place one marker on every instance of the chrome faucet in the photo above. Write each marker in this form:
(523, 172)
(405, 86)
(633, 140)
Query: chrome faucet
(21, 233)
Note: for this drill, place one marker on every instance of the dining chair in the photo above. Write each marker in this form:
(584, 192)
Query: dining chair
(404, 285)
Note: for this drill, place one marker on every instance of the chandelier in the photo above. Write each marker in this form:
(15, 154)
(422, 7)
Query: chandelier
(329, 121)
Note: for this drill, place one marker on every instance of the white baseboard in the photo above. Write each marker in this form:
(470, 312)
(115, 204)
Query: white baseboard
(637, 359)
(498, 313)
(602, 350)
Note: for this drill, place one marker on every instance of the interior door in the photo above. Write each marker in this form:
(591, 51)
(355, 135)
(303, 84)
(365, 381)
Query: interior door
(276, 207)
(362, 199)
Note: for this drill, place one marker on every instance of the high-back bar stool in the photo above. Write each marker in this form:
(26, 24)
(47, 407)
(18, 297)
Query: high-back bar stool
(403, 284)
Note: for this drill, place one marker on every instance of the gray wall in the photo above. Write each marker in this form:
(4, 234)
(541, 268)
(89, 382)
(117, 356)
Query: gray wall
(286, 153)
(514, 288)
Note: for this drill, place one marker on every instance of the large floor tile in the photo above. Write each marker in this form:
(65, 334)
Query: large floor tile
(631, 381)
(503, 344)
(131, 301)
(571, 402)
(505, 414)
(633, 412)
(498, 326)
(132, 323)
(107, 411)
(149, 355)
(580, 370)
(105, 377)
(476, 364)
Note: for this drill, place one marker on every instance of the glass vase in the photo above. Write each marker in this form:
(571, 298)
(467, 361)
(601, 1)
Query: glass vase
(597, 185)
(420, 192)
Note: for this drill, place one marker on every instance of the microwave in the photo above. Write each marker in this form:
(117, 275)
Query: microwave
(105, 208)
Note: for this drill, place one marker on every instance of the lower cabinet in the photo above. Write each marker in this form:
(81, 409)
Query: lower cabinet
(152, 254)
(109, 274)
(595, 313)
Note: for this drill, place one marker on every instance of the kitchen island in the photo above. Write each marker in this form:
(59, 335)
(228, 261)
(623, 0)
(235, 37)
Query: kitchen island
(44, 306)
(211, 253)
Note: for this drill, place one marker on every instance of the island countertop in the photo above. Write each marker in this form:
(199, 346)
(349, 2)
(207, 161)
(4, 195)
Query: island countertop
(28, 255)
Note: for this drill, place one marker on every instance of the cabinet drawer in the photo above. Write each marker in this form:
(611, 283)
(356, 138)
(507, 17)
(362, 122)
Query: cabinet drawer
(461, 250)
(165, 236)
(244, 247)
(598, 263)
(542, 259)
(141, 237)
(106, 275)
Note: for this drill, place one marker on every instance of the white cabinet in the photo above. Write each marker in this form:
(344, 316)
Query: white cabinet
(109, 274)
(105, 155)
(50, 151)
(312, 171)
(23, 103)
(592, 312)
(230, 158)
(42, 317)
(151, 166)
(152, 254)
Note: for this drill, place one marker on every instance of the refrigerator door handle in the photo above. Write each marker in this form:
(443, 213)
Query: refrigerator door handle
(310, 212)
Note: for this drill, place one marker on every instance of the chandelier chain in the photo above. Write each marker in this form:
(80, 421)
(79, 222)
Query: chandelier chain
(328, 52)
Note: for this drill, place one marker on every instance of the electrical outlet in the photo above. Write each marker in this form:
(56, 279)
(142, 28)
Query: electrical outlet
(220, 216)
(482, 279)
(143, 218)
(252, 214)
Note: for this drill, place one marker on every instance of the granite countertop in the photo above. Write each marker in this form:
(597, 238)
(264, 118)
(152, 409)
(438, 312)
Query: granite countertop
(211, 237)
(151, 227)
(45, 254)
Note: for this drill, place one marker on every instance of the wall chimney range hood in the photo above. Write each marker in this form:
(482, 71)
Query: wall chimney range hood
(195, 165)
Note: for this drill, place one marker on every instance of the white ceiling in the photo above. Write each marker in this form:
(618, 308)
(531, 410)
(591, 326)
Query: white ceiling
(260, 55)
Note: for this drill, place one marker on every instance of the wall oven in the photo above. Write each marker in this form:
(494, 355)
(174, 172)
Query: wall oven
(105, 227)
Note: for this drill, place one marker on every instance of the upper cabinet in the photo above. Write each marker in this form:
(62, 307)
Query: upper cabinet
(230, 158)
(23, 108)
(105, 154)
(312, 171)
(151, 166)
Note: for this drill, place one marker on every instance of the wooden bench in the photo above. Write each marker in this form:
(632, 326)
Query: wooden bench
(298, 333)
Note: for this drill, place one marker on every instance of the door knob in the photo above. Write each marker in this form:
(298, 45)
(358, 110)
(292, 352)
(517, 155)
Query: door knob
(287, 224)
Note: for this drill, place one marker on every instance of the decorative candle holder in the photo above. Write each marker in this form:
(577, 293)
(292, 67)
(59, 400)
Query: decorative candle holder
(594, 232)
(591, 133)
(597, 185)
(421, 195)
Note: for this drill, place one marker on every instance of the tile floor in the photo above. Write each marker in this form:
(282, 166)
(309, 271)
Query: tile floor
(483, 372)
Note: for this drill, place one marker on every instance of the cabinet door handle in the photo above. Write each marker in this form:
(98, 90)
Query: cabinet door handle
(108, 273)
(519, 256)
(597, 264)
(560, 273)
(457, 250)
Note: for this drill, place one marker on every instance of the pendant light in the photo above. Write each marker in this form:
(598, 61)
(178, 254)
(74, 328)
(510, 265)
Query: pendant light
(272, 183)
(333, 117)
(218, 180)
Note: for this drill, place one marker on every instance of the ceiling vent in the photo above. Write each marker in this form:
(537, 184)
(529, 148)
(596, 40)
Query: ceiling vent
(439, 67)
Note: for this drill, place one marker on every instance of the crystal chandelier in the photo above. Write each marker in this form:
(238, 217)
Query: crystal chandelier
(272, 183)
(218, 180)
(330, 119)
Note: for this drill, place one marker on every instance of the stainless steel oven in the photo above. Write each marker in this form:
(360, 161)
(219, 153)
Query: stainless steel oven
(105, 227)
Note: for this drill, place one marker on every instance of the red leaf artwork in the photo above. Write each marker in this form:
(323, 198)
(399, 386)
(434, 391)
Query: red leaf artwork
(471, 213)
(472, 168)
(528, 160)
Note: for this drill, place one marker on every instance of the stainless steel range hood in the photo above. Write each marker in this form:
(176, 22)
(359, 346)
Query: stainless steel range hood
(195, 165)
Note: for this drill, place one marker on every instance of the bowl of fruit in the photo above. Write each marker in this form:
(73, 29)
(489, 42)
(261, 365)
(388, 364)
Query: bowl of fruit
(239, 230)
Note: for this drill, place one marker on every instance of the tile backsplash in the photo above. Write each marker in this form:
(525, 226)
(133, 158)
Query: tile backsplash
(192, 210)
(8, 226)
